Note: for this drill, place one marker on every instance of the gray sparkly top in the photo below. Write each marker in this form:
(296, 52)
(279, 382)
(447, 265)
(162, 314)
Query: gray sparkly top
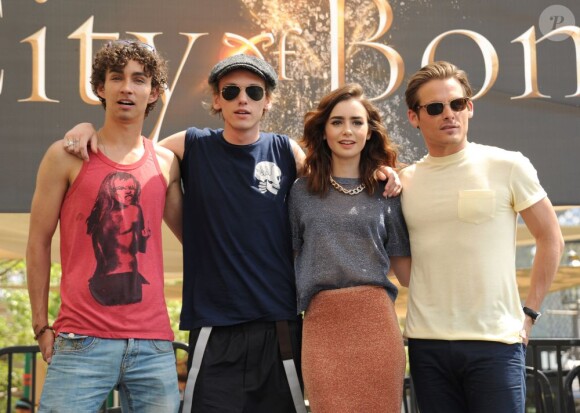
(343, 240)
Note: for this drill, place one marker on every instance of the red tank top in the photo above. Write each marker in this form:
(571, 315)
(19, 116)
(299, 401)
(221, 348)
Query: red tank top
(112, 258)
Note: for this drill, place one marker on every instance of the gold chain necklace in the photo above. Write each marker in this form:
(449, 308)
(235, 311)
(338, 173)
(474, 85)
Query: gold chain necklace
(340, 188)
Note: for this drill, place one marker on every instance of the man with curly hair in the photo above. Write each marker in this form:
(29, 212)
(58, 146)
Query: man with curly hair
(113, 329)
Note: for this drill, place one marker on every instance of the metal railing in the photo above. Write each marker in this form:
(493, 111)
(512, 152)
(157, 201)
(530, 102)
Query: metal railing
(541, 355)
(550, 384)
(9, 353)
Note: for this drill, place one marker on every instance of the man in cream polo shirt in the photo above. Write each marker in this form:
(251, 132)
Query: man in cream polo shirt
(466, 326)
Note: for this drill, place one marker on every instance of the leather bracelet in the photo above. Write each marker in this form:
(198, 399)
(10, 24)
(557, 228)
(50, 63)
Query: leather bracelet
(43, 330)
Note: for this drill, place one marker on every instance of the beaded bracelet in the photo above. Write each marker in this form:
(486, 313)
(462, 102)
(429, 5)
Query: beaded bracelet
(43, 330)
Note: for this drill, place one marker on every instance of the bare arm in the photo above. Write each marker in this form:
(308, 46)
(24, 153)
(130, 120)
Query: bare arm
(175, 143)
(84, 136)
(173, 214)
(299, 157)
(401, 266)
(78, 140)
(174, 201)
(542, 223)
(54, 175)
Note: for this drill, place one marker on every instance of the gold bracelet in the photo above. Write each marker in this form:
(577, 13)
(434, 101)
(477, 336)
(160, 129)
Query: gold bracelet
(43, 330)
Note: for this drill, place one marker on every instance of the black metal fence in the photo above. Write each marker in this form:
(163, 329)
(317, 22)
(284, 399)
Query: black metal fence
(553, 376)
(554, 367)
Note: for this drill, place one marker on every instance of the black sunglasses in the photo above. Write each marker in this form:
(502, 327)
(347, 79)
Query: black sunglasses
(254, 92)
(436, 108)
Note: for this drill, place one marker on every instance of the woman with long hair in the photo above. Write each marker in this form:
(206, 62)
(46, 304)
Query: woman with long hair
(347, 237)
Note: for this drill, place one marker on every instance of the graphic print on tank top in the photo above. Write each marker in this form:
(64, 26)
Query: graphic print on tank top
(118, 232)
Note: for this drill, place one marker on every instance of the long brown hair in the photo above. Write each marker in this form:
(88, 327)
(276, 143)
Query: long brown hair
(378, 150)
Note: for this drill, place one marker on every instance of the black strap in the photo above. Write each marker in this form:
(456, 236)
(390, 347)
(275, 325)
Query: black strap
(284, 342)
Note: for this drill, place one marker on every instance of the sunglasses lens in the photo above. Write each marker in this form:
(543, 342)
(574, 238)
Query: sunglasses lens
(230, 92)
(434, 109)
(255, 92)
(458, 104)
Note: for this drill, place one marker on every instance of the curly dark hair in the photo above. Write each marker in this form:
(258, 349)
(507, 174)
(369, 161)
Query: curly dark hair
(116, 54)
(378, 150)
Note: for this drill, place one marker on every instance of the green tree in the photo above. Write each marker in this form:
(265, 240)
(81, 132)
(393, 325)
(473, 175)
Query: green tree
(15, 328)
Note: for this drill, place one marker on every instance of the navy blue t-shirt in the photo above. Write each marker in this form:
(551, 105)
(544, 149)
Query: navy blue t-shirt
(237, 253)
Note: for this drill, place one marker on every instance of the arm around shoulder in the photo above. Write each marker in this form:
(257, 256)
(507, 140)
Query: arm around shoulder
(299, 157)
(77, 140)
(175, 143)
(172, 214)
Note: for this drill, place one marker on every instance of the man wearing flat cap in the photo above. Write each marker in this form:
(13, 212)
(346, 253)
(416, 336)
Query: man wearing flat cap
(239, 296)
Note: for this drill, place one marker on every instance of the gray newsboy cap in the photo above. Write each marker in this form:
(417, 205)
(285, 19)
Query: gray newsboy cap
(247, 62)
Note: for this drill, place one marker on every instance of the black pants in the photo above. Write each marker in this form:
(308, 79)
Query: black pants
(468, 376)
(242, 371)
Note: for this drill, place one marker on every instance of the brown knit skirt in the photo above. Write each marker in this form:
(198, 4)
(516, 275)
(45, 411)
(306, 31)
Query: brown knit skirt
(353, 357)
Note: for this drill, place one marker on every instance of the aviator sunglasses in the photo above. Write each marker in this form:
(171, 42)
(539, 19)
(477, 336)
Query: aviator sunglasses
(436, 108)
(254, 92)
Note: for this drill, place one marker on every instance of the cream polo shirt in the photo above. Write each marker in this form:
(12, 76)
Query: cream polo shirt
(461, 213)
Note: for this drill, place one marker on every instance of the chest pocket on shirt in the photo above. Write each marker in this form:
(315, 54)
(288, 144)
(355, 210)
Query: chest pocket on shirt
(476, 206)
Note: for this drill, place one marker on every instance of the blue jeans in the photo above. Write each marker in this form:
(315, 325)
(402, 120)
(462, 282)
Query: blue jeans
(468, 376)
(85, 369)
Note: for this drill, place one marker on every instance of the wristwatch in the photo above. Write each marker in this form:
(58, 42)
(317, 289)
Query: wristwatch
(534, 315)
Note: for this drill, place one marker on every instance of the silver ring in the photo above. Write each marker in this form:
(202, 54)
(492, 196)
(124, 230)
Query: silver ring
(69, 143)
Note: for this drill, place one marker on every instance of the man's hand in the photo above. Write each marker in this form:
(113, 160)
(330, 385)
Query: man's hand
(46, 344)
(393, 187)
(526, 330)
(77, 140)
